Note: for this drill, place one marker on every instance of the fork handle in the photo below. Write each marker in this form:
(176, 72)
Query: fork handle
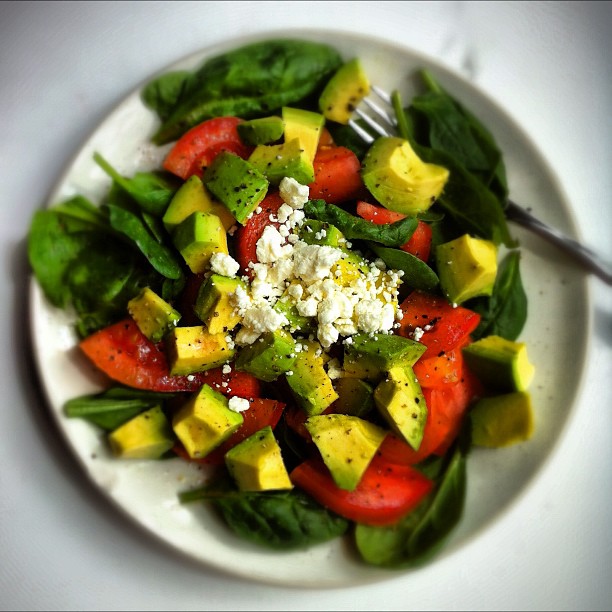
(585, 256)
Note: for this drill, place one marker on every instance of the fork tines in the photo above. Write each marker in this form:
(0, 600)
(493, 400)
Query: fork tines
(384, 128)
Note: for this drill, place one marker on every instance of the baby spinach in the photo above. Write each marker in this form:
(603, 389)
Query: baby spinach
(163, 93)
(356, 228)
(276, 519)
(504, 313)
(417, 274)
(422, 533)
(253, 80)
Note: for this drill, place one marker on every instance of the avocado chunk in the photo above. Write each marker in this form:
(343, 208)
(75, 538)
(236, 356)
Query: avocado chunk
(309, 382)
(400, 401)
(304, 125)
(192, 197)
(347, 445)
(270, 356)
(344, 91)
(502, 420)
(399, 179)
(194, 349)
(297, 322)
(145, 436)
(467, 268)
(212, 305)
(153, 315)
(262, 130)
(500, 364)
(256, 463)
(205, 421)
(318, 232)
(236, 183)
(369, 357)
(198, 237)
(355, 397)
(288, 158)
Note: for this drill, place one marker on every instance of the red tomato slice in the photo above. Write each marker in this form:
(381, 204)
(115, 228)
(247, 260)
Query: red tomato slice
(337, 175)
(444, 326)
(248, 234)
(441, 370)
(127, 356)
(385, 494)
(263, 412)
(197, 148)
(419, 244)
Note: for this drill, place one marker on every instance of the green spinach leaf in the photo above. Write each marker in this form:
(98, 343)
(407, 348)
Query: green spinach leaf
(356, 228)
(247, 82)
(276, 519)
(162, 94)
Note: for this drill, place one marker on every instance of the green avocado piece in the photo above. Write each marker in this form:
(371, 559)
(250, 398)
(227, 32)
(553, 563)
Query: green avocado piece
(270, 356)
(400, 401)
(344, 91)
(304, 125)
(277, 161)
(145, 436)
(236, 183)
(502, 420)
(205, 421)
(347, 445)
(368, 357)
(297, 322)
(309, 382)
(318, 232)
(263, 130)
(192, 196)
(500, 364)
(153, 315)
(397, 177)
(355, 396)
(212, 305)
(256, 463)
(198, 237)
(467, 268)
(194, 349)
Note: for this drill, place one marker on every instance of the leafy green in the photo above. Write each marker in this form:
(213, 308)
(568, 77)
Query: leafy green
(421, 534)
(247, 82)
(111, 408)
(163, 93)
(504, 313)
(356, 228)
(275, 519)
(417, 274)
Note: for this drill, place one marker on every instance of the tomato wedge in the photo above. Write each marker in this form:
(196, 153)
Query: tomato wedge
(385, 494)
(440, 370)
(127, 356)
(419, 244)
(337, 175)
(197, 148)
(248, 234)
(263, 412)
(444, 327)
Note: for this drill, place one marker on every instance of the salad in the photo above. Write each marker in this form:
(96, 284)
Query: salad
(328, 326)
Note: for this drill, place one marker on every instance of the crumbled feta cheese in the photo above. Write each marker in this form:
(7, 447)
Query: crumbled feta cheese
(224, 264)
(293, 193)
(226, 369)
(238, 404)
(271, 246)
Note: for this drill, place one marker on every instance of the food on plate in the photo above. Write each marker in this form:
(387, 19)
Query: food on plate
(327, 326)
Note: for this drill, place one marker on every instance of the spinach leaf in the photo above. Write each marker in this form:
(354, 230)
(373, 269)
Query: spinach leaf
(417, 274)
(421, 534)
(111, 408)
(356, 228)
(162, 94)
(151, 190)
(247, 82)
(504, 313)
(275, 519)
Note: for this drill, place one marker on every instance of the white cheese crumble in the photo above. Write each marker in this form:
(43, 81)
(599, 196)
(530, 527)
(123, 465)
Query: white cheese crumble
(293, 193)
(238, 404)
(224, 264)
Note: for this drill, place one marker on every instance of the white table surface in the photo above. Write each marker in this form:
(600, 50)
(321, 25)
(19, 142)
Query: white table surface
(64, 65)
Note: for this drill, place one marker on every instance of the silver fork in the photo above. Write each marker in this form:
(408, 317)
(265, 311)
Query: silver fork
(383, 122)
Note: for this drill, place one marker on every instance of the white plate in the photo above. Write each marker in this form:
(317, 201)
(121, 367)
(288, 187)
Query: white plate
(557, 333)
